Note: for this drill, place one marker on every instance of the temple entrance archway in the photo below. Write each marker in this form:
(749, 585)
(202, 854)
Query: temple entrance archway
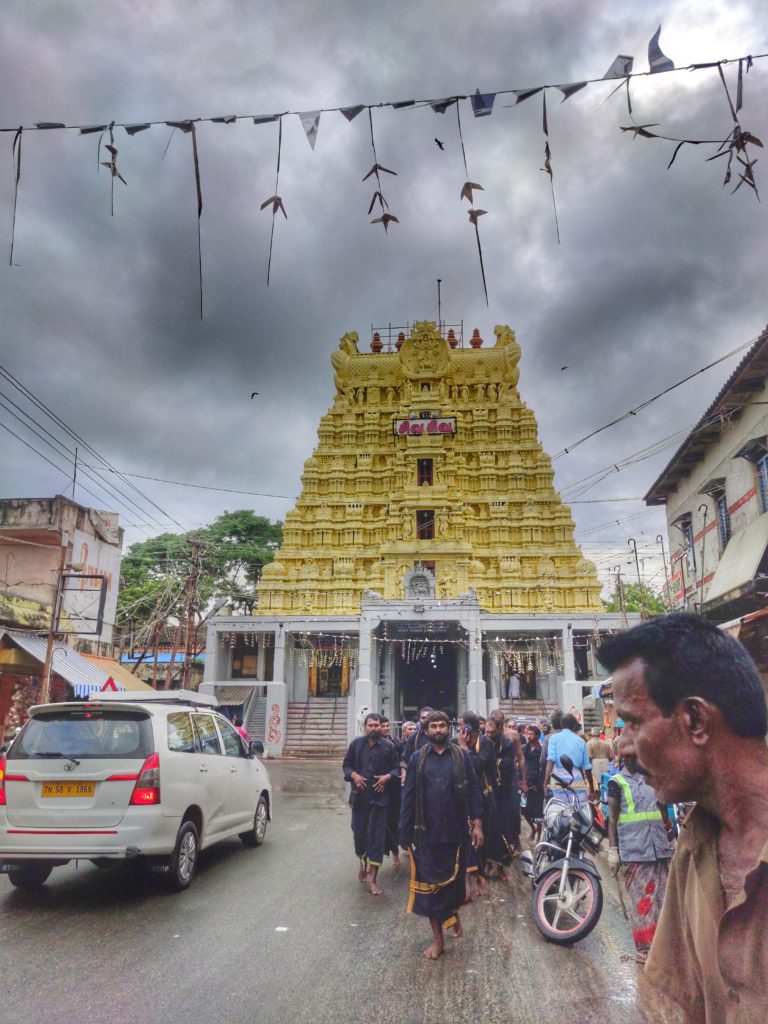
(429, 679)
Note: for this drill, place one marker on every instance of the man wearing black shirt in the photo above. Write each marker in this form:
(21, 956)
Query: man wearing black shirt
(441, 797)
(370, 765)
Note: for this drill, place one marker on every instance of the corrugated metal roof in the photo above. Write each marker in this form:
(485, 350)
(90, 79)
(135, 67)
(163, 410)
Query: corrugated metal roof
(66, 663)
(124, 679)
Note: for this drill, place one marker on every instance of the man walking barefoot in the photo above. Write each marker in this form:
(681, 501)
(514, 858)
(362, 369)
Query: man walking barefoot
(441, 795)
(371, 765)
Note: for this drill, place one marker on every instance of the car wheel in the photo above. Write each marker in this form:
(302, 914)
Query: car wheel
(256, 834)
(31, 875)
(182, 863)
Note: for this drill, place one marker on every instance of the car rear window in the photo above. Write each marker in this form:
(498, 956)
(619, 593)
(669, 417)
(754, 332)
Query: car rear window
(85, 734)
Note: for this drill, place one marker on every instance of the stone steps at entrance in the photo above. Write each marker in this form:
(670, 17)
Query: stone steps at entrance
(522, 706)
(316, 727)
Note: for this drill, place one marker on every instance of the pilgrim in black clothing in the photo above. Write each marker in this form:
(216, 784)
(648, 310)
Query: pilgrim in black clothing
(481, 750)
(500, 841)
(371, 765)
(391, 844)
(441, 798)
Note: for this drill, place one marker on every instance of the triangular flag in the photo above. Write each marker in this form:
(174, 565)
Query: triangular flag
(264, 118)
(440, 106)
(402, 103)
(134, 129)
(228, 119)
(570, 89)
(92, 128)
(621, 67)
(50, 124)
(351, 112)
(656, 59)
(310, 121)
(184, 126)
(525, 94)
(482, 103)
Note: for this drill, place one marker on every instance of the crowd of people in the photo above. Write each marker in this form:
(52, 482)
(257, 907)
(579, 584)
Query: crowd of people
(695, 722)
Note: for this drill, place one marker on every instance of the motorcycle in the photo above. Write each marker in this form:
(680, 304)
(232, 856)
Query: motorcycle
(567, 889)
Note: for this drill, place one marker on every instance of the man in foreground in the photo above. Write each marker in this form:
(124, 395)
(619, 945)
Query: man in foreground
(440, 798)
(371, 765)
(695, 723)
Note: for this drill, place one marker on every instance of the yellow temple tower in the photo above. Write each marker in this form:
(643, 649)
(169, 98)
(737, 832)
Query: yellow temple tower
(428, 463)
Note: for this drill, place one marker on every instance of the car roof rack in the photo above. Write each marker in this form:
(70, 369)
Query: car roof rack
(205, 700)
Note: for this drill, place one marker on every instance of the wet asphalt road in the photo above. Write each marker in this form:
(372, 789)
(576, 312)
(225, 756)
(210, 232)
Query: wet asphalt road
(285, 933)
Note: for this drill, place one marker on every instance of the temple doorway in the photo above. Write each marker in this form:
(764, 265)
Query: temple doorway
(430, 679)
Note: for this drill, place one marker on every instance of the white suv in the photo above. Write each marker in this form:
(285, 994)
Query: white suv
(159, 778)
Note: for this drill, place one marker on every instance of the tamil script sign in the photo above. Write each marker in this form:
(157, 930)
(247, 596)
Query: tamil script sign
(436, 425)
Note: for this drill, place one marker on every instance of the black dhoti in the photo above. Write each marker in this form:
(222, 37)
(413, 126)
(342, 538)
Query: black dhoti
(438, 881)
(369, 826)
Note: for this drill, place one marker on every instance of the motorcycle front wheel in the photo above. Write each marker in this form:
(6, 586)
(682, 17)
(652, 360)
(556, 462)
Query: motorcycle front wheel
(564, 920)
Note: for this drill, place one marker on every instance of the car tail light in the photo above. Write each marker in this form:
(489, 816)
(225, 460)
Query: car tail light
(147, 788)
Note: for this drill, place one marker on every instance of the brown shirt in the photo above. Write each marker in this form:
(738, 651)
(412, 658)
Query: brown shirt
(710, 955)
(599, 748)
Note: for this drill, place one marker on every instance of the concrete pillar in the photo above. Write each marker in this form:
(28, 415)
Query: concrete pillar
(274, 736)
(365, 691)
(476, 698)
(278, 673)
(261, 657)
(218, 660)
(569, 665)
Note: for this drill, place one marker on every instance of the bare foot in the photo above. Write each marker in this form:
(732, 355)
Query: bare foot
(456, 931)
(395, 860)
(362, 874)
(434, 951)
(373, 887)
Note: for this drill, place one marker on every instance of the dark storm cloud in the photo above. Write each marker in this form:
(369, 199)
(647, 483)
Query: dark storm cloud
(658, 272)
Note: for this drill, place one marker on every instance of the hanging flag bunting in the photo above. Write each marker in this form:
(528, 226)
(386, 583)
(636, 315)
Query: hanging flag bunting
(547, 168)
(42, 125)
(482, 103)
(378, 196)
(91, 129)
(467, 191)
(525, 94)
(183, 126)
(229, 119)
(310, 122)
(570, 89)
(264, 118)
(16, 154)
(440, 106)
(111, 165)
(735, 144)
(621, 67)
(134, 129)
(657, 61)
(351, 112)
(402, 103)
(275, 201)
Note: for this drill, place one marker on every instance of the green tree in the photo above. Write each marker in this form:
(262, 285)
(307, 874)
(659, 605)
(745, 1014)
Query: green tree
(167, 578)
(637, 598)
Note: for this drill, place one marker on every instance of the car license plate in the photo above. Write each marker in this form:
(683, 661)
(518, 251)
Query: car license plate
(69, 788)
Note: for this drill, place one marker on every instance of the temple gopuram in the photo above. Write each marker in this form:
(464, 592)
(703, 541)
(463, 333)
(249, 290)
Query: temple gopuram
(428, 559)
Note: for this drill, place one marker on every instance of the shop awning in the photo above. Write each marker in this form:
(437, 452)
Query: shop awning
(739, 563)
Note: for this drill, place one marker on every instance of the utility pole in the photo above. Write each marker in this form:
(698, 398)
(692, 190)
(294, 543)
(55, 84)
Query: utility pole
(620, 596)
(633, 544)
(194, 576)
(45, 679)
(668, 599)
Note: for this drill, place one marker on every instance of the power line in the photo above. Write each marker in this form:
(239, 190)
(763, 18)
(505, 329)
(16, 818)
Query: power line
(205, 487)
(75, 436)
(644, 405)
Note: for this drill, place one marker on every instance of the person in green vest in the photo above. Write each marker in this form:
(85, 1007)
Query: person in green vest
(639, 851)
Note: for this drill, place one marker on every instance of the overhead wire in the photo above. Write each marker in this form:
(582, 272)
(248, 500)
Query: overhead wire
(31, 397)
(649, 401)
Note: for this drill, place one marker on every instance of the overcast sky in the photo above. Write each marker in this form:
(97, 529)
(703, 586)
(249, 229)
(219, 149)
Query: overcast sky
(658, 271)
